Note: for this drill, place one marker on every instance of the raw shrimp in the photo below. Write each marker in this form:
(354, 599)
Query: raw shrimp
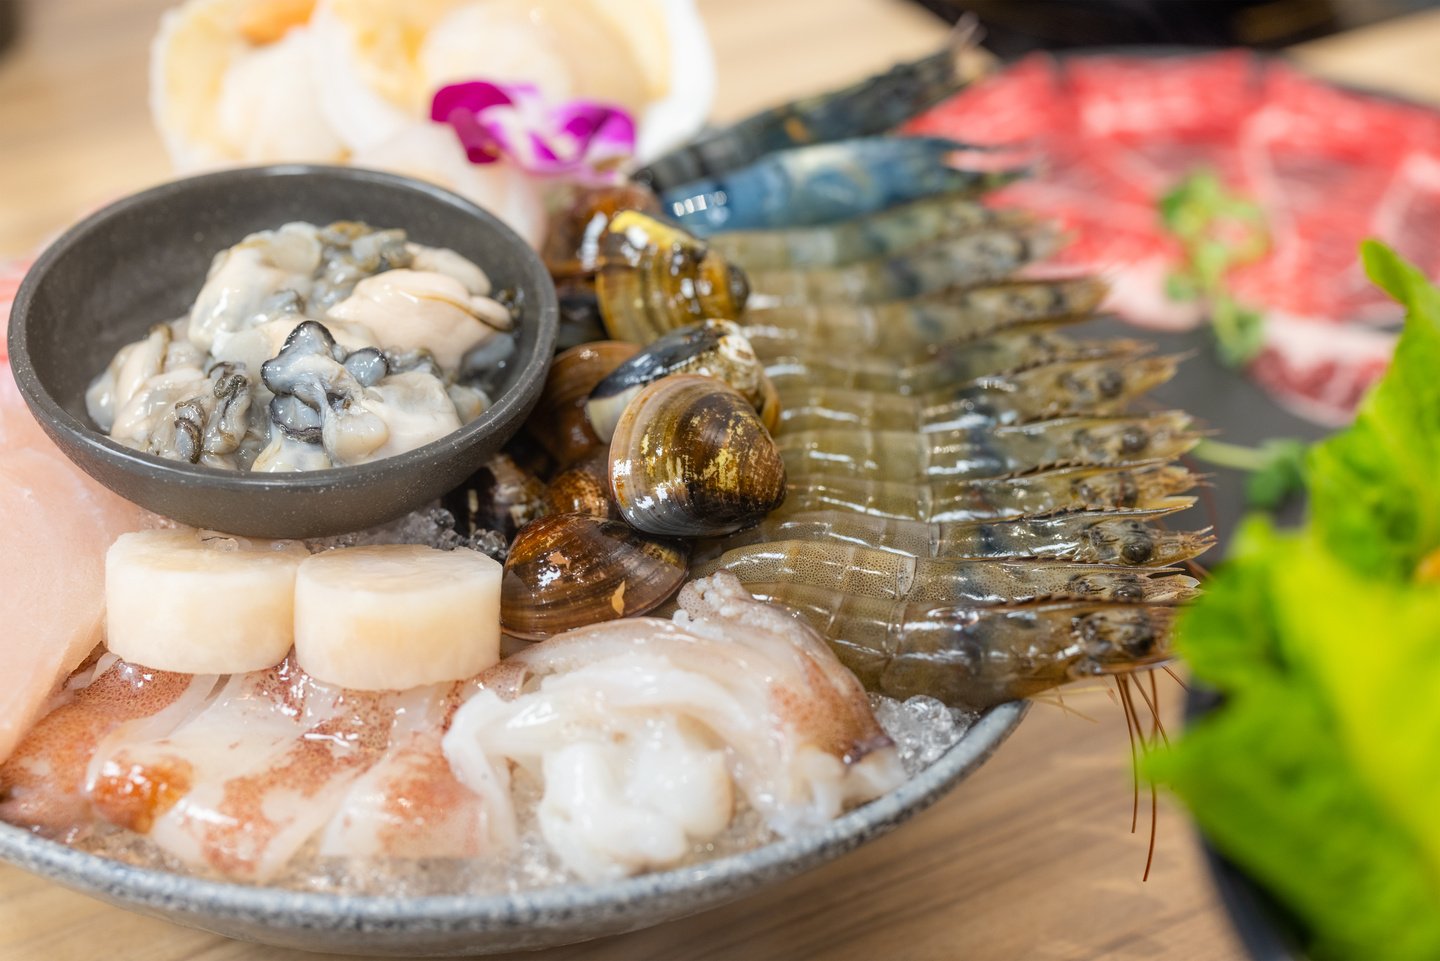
(1121, 537)
(871, 572)
(977, 657)
(903, 327)
(910, 457)
(1066, 388)
(807, 186)
(871, 106)
(942, 366)
(887, 233)
(1150, 486)
(979, 257)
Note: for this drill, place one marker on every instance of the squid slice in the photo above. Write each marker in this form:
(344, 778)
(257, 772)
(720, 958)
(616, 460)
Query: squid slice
(43, 785)
(645, 732)
(242, 786)
(410, 804)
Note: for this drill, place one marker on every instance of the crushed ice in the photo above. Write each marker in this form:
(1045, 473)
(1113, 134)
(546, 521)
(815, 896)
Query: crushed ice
(433, 526)
(922, 728)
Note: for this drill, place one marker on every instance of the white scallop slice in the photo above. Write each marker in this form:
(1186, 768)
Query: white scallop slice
(198, 602)
(397, 616)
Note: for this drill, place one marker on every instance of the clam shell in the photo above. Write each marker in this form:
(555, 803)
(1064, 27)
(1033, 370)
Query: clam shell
(558, 421)
(691, 457)
(572, 243)
(570, 570)
(655, 277)
(584, 488)
(716, 348)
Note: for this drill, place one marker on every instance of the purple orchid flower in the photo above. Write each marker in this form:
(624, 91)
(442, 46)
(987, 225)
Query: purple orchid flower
(495, 120)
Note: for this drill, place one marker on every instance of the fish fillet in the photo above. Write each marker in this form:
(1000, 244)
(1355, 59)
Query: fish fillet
(58, 523)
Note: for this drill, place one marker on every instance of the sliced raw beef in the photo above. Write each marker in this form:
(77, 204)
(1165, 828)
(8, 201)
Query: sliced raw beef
(1328, 167)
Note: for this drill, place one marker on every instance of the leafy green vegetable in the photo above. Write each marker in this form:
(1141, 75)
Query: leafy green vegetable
(1319, 774)
(1375, 487)
(1218, 231)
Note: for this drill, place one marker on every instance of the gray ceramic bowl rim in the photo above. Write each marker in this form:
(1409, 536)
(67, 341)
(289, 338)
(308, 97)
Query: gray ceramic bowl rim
(288, 909)
(53, 416)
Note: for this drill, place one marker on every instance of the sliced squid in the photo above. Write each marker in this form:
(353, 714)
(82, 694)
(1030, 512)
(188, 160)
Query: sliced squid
(430, 151)
(645, 732)
(244, 784)
(409, 804)
(44, 784)
(381, 62)
(350, 81)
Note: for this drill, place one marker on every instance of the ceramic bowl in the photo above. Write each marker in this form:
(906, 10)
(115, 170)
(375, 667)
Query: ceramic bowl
(461, 924)
(142, 261)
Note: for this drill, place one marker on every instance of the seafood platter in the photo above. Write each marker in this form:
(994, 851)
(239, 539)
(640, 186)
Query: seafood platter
(825, 480)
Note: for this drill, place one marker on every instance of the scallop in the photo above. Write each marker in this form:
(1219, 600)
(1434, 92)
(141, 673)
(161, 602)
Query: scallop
(655, 277)
(558, 421)
(569, 570)
(691, 458)
(716, 348)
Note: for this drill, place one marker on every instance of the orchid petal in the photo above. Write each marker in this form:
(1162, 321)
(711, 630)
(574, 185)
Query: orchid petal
(514, 120)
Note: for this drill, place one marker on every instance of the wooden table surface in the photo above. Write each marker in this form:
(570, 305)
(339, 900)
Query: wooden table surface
(1032, 857)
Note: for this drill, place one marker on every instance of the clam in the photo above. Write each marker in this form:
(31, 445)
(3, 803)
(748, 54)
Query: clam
(558, 421)
(569, 570)
(655, 277)
(716, 348)
(572, 246)
(583, 487)
(690, 457)
(501, 496)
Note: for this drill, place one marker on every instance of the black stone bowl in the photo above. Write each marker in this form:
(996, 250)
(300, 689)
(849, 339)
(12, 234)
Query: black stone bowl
(142, 260)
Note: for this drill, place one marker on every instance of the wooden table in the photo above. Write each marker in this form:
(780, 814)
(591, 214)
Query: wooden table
(1030, 858)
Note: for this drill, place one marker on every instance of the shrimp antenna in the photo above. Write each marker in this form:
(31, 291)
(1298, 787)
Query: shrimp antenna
(1157, 727)
(1176, 678)
(1131, 723)
(1154, 817)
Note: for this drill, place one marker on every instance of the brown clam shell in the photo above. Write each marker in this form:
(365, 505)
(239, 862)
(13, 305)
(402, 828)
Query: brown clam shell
(654, 277)
(572, 243)
(570, 570)
(583, 488)
(691, 458)
(558, 421)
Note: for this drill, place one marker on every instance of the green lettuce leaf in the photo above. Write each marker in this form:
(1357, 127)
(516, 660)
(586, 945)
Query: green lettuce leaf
(1319, 775)
(1375, 487)
(1298, 777)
